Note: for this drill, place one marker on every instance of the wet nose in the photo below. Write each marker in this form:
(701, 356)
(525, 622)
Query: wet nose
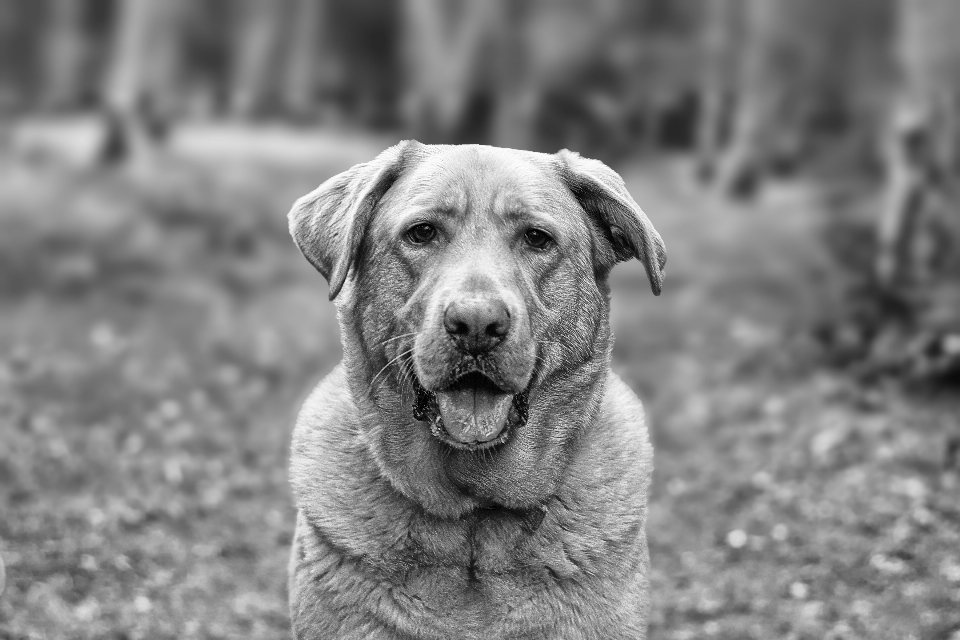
(477, 325)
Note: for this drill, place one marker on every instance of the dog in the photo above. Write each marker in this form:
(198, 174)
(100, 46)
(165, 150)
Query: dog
(472, 468)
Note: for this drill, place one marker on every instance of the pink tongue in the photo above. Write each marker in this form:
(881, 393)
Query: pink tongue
(471, 415)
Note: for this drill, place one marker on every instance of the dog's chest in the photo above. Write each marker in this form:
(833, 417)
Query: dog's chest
(484, 559)
(496, 574)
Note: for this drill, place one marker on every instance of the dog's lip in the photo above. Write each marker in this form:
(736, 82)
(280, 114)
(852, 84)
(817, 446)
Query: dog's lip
(426, 410)
(473, 380)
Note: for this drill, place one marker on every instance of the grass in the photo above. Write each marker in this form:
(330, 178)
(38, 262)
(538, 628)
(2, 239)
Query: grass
(158, 332)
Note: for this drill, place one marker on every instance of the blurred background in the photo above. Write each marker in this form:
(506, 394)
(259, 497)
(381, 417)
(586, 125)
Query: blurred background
(158, 328)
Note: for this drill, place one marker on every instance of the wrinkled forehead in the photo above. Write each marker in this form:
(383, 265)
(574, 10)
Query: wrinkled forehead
(485, 181)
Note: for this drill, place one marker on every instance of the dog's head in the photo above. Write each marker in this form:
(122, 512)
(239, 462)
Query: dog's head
(472, 289)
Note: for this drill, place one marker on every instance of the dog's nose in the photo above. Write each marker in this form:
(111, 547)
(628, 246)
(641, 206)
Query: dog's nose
(477, 325)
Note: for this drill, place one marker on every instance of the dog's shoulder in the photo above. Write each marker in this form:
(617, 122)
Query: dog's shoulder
(611, 469)
(327, 420)
(625, 418)
(327, 450)
(619, 435)
(625, 430)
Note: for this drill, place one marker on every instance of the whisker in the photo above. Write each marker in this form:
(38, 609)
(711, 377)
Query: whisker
(374, 380)
(539, 359)
(406, 376)
(399, 337)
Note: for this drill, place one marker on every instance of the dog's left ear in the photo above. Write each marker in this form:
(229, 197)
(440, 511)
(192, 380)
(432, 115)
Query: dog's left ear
(329, 223)
(602, 193)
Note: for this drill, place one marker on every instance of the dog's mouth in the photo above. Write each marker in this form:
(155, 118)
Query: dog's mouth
(473, 413)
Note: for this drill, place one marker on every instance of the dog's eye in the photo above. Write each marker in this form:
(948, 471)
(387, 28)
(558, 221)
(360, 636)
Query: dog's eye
(537, 239)
(421, 233)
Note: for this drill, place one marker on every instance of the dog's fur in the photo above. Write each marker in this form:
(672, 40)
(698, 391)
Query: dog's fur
(402, 532)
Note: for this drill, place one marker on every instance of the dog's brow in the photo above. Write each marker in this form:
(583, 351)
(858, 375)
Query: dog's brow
(446, 207)
(517, 214)
(520, 212)
(433, 203)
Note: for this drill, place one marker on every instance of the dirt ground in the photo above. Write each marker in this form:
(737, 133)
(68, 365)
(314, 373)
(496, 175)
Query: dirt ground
(158, 330)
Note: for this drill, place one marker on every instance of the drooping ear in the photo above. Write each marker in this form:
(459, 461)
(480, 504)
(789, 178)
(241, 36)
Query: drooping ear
(329, 223)
(603, 195)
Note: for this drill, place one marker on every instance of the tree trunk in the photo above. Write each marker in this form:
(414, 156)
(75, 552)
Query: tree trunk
(769, 64)
(444, 42)
(256, 55)
(64, 52)
(802, 64)
(722, 29)
(922, 137)
(21, 29)
(146, 55)
(544, 46)
(300, 77)
(142, 80)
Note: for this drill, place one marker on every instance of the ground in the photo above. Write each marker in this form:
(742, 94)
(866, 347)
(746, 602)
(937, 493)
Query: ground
(158, 330)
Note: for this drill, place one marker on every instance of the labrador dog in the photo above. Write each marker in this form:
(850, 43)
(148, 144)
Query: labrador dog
(473, 468)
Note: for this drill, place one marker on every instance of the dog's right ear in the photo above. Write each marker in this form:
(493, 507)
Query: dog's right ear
(329, 223)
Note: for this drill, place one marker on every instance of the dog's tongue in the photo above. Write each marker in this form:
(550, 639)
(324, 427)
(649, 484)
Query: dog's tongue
(474, 415)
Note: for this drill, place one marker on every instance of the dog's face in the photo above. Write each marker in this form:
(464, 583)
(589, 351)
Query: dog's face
(476, 316)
